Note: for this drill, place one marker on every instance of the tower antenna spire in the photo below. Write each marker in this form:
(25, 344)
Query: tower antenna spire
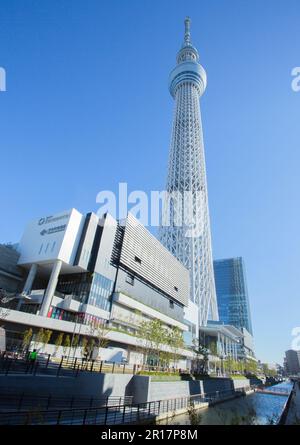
(189, 241)
(187, 31)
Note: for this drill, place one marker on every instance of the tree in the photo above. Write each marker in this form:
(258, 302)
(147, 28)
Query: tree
(202, 358)
(90, 347)
(4, 299)
(84, 343)
(58, 342)
(159, 343)
(153, 336)
(100, 333)
(165, 358)
(267, 371)
(250, 366)
(75, 341)
(144, 346)
(27, 337)
(66, 344)
(47, 336)
(227, 364)
(213, 348)
(39, 338)
(175, 341)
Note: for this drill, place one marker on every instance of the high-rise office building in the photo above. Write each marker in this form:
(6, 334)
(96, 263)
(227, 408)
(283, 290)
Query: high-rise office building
(292, 360)
(185, 228)
(232, 293)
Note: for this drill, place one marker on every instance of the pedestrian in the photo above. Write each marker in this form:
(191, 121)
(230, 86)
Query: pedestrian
(32, 358)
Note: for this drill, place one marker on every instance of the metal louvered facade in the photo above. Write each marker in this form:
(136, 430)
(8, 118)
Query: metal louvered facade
(144, 255)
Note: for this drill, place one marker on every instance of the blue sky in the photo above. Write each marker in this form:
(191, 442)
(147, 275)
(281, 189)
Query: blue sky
(87, 106)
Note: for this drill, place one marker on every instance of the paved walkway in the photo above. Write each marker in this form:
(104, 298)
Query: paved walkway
(293, 416)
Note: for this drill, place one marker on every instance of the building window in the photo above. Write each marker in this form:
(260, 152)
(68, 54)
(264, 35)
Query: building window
(171, 303)
(93, 289)
(130, 279)
(137, 260)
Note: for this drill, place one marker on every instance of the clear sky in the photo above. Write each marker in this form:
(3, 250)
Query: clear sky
(87, 106)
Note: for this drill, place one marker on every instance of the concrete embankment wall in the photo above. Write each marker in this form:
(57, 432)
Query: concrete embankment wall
(85, 385)
(291, 412)
(170, 390)
(241, 383)
(90, 384)
(256, 381)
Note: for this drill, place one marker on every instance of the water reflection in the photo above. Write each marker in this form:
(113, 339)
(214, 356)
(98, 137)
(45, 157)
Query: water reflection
(255, 409)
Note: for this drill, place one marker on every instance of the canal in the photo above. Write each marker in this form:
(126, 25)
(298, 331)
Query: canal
(254, 409)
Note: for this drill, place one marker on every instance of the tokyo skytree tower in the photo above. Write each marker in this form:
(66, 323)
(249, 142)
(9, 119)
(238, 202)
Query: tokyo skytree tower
(185, 226)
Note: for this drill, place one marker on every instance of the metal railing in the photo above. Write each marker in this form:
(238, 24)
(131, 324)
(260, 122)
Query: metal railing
(25, 401)
(286, 408)
(273, 390)
(113, 415)
(42, 365)
(19, 364)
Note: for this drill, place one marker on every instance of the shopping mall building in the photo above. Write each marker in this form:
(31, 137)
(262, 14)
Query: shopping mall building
(71, 272)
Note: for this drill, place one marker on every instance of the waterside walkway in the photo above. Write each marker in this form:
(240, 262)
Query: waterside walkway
(293, 414)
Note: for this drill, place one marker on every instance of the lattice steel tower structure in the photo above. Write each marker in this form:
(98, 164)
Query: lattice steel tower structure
(188, 234)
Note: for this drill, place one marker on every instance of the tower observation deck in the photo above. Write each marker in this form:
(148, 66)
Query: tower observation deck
(185, 226)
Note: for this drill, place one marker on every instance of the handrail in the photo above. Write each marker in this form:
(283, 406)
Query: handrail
(25, 401)
(118, 414)
(21, 364)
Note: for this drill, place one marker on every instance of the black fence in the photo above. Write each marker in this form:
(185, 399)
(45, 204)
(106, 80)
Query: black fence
(23, 401)
(46, 363)
(286, 408)
(112, 415)
(42, 365)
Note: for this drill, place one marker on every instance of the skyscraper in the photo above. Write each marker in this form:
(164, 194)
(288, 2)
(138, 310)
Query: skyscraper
(185, 228)
(232, 293)
(292, 359)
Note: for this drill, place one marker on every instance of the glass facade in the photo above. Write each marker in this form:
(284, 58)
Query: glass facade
(101, 290)
(232, 293)
(191, 334)
(88, 288)
(75, 317)
(77, 285)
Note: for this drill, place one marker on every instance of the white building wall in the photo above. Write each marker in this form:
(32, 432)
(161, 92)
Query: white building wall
(50, 238)
(191, 314)
(103, 265)
(71, 239)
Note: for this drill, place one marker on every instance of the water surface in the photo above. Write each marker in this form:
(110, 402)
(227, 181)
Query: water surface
(255, 409)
